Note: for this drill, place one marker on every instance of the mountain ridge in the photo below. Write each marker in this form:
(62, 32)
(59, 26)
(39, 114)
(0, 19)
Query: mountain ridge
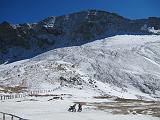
(28, 40)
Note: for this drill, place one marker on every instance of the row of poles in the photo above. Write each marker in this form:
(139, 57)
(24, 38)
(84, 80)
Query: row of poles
(22, 95)
(12, 96)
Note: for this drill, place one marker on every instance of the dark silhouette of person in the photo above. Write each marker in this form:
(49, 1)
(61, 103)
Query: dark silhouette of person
(79, 107)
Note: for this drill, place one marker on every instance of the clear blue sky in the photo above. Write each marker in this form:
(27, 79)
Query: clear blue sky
(21, 11)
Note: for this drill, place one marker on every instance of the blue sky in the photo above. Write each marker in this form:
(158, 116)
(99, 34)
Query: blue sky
(21, 11)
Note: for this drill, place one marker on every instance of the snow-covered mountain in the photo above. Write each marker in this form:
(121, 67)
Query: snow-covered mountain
(124, 66)
(23, 41)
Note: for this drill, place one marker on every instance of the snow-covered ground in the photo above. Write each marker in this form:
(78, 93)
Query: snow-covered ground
(124, 66)
(39, 108)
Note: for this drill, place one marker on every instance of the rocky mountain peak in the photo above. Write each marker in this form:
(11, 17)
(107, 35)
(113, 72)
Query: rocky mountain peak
(68, 30)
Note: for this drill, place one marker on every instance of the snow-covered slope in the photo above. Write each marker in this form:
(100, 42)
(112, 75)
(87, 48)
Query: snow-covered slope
(125, 66)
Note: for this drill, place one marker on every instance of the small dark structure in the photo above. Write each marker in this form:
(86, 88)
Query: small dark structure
(72, 108)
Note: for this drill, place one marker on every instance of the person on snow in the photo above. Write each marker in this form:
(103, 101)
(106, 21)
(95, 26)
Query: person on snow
(79, 107)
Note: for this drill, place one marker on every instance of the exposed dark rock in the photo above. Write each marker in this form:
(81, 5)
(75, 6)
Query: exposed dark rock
(68, 30)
